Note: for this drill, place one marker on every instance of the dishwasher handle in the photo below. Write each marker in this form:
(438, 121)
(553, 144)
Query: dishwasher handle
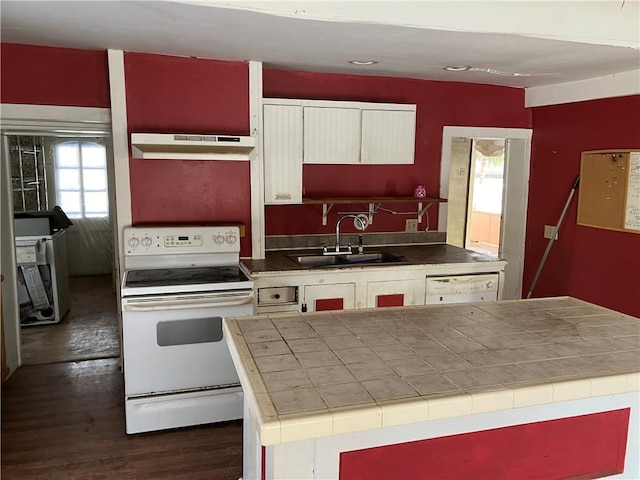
(152, 306)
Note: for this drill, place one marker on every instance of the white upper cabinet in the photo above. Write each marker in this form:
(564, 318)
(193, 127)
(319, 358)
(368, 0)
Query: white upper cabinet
(388, 136)
(282, 154)
(331, 135)
(336, 132)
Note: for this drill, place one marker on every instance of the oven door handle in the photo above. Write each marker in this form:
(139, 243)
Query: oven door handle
(182, 304)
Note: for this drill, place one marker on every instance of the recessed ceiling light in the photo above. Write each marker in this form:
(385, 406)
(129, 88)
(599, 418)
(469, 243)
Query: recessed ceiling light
(456, 68)
(363, 62)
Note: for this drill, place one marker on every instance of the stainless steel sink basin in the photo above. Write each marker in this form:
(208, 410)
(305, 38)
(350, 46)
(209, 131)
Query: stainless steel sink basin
(355, 259)
(315, 260)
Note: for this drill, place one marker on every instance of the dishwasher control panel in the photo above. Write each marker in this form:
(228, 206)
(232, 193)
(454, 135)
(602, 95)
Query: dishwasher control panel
(462, 288)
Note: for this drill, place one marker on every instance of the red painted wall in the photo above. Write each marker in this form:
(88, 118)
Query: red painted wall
(438, 104)
(53, 76)
(600, 266)
(184, 95)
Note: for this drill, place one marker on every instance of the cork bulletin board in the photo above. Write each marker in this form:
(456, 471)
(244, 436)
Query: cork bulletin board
(609, 192)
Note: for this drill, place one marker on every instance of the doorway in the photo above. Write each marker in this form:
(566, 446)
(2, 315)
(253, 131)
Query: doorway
(48, 171)
(486, 170)
(484, 207)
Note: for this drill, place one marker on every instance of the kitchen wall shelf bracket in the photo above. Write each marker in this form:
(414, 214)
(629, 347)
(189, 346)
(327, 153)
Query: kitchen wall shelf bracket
(422, 211)
(374, 204)
(326, 208)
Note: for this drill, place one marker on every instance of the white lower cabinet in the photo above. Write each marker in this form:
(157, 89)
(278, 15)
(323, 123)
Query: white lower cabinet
(347, 289)
(337, 296)
(392, 293)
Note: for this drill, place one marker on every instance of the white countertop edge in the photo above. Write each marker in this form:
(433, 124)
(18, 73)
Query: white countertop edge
(269, 424)
(437, 268)
(306, 426)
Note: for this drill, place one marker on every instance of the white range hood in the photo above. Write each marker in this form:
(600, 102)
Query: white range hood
(191, 147)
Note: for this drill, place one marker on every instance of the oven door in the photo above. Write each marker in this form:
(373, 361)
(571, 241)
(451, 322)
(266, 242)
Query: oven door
(174, 343)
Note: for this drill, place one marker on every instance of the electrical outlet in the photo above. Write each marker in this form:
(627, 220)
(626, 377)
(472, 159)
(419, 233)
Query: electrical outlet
(548, 231)
(411, 225)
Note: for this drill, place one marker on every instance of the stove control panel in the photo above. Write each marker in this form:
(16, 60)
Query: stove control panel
(182, 240)
(170, 240)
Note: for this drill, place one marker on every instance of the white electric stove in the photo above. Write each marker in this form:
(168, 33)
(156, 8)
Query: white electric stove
(178, 285)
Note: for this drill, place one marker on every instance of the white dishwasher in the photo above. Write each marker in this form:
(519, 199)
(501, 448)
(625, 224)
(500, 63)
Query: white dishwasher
(462, 288)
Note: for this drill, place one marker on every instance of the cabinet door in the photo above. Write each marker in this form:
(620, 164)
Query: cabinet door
(282, 154)
(331, 135)
(339, 296)
(388, 136)
(395, 293)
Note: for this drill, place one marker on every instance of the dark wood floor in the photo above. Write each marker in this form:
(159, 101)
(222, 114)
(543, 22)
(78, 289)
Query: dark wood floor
(88, 331)
(66, 421)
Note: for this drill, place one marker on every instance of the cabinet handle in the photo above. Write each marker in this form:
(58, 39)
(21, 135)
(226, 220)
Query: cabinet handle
(283, 196)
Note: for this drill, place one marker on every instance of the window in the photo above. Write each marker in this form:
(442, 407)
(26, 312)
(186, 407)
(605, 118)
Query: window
(81, 179)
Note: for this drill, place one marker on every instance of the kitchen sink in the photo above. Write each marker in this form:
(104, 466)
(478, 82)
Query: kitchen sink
(315, 260)
(356, 259)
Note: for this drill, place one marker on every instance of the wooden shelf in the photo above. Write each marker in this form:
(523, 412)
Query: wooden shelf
(373, 202)
(342, 200)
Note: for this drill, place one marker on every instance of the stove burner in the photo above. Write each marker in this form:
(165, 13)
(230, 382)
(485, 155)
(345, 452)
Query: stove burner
(184, 276)
(153, 274)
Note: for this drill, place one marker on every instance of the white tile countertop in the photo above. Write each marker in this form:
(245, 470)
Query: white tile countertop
(318, 374)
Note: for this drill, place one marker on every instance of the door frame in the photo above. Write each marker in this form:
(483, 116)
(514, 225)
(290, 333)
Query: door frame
(517, 163)
(22, 119)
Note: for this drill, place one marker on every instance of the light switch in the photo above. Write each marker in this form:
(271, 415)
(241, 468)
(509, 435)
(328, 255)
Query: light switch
(548, 231)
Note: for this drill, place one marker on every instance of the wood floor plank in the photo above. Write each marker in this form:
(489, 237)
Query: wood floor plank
(63, 415)
(88, 331)
(74, 428)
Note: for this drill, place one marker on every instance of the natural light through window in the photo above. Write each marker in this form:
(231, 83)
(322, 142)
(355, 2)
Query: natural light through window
(81, 178)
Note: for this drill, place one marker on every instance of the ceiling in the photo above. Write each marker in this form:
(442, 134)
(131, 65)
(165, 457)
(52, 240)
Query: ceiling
(326, 43)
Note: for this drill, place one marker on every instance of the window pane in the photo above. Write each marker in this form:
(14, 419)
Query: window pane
(94, 179)
(96, 202)
(93, 155)
(70, 203)
(67, 155)
(68, 179)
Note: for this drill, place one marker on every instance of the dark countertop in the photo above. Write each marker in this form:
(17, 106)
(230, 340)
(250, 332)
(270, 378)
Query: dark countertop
(438, 254)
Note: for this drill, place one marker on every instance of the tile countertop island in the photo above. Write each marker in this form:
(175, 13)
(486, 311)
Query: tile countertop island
(514, 389)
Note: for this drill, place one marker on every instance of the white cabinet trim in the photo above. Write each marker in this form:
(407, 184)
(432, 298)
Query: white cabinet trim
(256, 159)
(340, 104)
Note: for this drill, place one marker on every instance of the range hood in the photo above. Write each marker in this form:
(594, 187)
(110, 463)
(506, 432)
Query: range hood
(191, 147)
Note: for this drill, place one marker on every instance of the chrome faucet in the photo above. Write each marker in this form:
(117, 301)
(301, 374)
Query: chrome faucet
(362, 225)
